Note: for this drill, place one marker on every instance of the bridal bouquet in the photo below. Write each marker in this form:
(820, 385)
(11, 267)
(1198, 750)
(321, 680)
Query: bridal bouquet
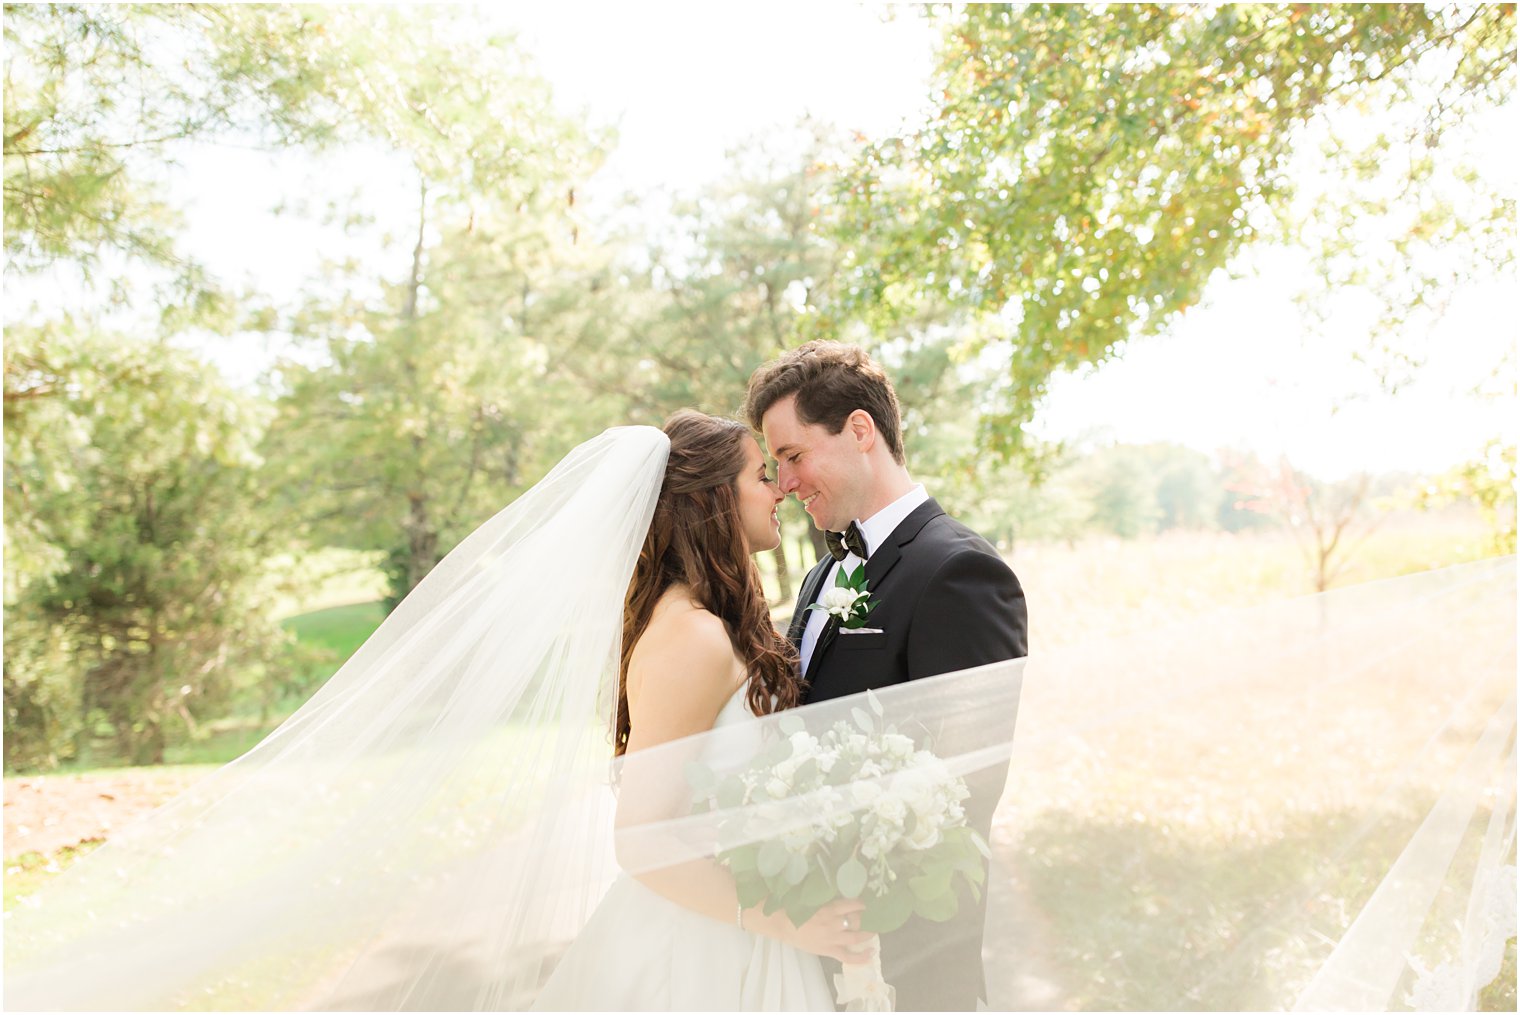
(856, 812)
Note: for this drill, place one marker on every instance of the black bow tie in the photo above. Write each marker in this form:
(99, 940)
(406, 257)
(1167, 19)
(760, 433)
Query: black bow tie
(849, 541)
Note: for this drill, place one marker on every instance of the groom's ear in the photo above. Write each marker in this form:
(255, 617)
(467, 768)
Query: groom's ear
(862, 429)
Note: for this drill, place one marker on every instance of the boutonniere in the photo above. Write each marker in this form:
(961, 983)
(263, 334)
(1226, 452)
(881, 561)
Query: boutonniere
(848, 599)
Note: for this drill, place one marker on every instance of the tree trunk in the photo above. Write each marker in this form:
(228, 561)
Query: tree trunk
(421, 534)
(422, 541)
(783, 569)
(816, 543)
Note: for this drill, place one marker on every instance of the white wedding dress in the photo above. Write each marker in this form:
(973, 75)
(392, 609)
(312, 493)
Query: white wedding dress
(642, 952)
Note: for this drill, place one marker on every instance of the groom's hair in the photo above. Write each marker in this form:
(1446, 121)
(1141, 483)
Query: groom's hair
(831, 380)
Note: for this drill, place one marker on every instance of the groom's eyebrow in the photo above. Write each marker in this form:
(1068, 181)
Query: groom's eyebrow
(776, 453)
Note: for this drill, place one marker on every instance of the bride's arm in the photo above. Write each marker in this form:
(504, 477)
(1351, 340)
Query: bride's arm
(682, 673)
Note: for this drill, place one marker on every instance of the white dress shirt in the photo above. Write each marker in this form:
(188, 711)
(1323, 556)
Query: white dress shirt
(875, 530)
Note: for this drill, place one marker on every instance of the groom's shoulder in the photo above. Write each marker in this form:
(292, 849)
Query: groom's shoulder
(948, 545)
(949, 532)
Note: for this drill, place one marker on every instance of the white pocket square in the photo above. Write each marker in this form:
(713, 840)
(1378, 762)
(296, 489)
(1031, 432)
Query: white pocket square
(861, 630)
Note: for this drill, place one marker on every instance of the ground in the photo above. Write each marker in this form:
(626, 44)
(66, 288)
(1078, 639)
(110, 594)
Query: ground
(44, 815)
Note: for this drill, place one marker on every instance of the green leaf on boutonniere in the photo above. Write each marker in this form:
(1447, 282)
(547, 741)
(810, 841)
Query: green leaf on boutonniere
(855, 579)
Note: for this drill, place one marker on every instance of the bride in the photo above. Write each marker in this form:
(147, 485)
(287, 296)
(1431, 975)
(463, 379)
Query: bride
(699, 651)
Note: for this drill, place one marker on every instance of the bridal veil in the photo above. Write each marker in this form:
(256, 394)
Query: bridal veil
(1309, 804)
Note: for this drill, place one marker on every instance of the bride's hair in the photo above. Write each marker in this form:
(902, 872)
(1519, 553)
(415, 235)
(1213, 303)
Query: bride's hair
(697, 539)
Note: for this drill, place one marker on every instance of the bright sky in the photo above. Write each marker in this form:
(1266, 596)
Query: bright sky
(684, 82)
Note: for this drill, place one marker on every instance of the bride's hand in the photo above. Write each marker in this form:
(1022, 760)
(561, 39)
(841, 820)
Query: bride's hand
(832, 932)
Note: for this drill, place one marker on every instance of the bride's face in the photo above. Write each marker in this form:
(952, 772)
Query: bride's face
(758, 498)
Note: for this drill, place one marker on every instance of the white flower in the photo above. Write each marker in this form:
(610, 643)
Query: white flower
(866, 793)
(804, 746)
(897, 746)
(890, 808)
(924, 836)
(839, 601)
(776, 787)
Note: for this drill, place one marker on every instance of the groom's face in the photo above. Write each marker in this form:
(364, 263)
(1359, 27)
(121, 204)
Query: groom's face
(826, 472)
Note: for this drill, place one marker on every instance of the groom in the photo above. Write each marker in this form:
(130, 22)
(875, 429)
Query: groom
(945, 600)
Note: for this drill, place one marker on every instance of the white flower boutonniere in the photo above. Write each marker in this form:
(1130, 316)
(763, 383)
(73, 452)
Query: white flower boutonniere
(848, 599)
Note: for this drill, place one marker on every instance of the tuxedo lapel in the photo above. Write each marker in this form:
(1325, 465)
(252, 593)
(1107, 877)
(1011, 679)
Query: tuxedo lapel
(825, 639)
(884, 558)
(806, 598)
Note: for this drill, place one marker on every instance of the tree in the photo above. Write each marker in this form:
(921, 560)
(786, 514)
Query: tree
(436, 403)
(1328, 521)
(1489, 482)
(138, 493)
(97, 97)
(416, 413)
(1085, 174)
(742, 277)
(1122, 492)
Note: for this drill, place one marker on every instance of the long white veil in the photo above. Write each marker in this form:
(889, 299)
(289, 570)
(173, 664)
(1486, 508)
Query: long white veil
(1309, 804)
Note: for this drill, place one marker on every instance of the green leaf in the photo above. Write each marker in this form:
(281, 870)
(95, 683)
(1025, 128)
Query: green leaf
(751, 891)
(816, 889)
(851, 878)
(939, 907)
(873, 700)
(796, 869)
(932, 883)
(980, 843)
(773, 858)
(862, 720)
(888, 912)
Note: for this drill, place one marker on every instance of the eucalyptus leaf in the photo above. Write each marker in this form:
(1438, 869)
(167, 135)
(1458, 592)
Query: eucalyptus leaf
(938, 907)
(796, 869)
(888, 912)
(851, 878)
(773, 858)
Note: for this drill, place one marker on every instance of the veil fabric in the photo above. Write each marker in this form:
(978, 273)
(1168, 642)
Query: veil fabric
(1306, 804)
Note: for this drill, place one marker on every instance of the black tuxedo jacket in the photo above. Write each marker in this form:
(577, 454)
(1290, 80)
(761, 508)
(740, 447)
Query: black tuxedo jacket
(945, 601)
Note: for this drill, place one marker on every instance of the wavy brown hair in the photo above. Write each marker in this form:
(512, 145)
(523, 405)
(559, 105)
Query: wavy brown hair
(697, 539)
(831, 380)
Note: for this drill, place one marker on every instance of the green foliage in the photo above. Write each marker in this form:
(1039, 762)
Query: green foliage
(743, 274)
(1083, 176)
(419, 407)
(433, 406)
(1489, 482)
(1124, 496)
(98, 96)
(141, 478)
